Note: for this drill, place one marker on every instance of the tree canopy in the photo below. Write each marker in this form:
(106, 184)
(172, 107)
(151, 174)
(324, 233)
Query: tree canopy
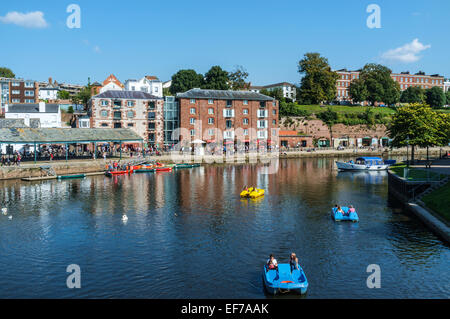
(237, 78)
(413, 94)
(185, 80)
(6, 73)
(379, 84)
(358, 91)
(419, 125)
(63, 95)
(435, 97)
(216, 79)
(319, 81)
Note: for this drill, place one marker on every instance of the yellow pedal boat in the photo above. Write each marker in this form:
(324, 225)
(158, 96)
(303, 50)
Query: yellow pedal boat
(252, 192)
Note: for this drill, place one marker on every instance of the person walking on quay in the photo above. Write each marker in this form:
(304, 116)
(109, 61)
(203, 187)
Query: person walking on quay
(3, 160)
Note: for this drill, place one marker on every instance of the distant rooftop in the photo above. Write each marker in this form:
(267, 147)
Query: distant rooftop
(131, 95)
(66, 135)
(32, 108)
(223, 95)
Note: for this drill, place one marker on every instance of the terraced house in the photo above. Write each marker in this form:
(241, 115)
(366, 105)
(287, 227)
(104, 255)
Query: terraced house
(217, 116)
(136, 110)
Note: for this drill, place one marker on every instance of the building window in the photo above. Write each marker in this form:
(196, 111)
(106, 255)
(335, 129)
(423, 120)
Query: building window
(29, 101)
(117, 103)
(262, 104)
(104, 103)
(228, 113)
(130, 114)
(210, 101)
(245, 121)
(192, 110)
(104, 113)
(245, 111)
(210, 120)
(192, 132)
(151, 105)
(262, 124)
(274, 122)
(245, 102)
(118, 125)
(192, 101)
(229, 103)
(151, 115)
(16, 100)
(130, 124)
(130, 103)
(29, 93)
(29, 84)
(117, 115)
(151, 137)
(192, 121)
(104, 125)
(228, 124)
(151, 125)
(15, 84)
(262, 113)
(210, 111)
(274, 112)
(262, 134)
(211, 132)
(246, 132)
(15, 92)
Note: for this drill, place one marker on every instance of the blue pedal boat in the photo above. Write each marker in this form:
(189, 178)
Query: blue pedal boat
(337, 216)
(283, 280)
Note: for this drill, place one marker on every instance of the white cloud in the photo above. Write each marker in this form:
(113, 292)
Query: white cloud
(97, 49)
(407, 53)
(28, 20)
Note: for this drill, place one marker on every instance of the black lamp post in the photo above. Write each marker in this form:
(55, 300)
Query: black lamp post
(407, 156)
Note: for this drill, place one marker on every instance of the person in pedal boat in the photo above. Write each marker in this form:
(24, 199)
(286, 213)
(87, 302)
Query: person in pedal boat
(293, 262)
(351, 209)
(272, 262)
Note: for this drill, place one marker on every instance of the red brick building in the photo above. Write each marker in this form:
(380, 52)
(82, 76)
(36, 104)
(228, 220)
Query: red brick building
(404, 79)
(294, 139)
(224, 116)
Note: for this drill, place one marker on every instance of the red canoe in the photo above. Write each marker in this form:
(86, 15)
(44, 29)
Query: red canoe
(164, 169)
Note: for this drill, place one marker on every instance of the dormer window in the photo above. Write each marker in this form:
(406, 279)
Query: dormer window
(229, 103)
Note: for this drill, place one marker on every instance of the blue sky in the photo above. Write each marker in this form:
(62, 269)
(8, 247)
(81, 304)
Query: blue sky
(135, 38)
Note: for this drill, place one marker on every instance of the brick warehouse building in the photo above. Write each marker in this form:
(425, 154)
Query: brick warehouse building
(404, 79)
(139, 111)
(224, 115)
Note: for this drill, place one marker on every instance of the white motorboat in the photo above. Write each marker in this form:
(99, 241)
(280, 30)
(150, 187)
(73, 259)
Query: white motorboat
(363, 164)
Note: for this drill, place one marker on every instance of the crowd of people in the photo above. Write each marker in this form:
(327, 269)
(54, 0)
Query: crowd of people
(11, 160)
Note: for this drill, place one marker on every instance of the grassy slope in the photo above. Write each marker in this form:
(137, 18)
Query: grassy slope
(439, 201)
(416, 174)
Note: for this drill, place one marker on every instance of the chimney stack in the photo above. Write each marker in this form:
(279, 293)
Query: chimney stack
(50, 80)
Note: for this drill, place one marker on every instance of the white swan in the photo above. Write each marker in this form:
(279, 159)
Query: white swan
(4, 210)
(124, 218)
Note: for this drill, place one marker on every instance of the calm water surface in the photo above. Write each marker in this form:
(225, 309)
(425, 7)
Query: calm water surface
(189, 235)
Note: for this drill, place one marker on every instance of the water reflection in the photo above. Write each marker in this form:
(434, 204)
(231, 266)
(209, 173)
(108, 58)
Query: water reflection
(196, 215)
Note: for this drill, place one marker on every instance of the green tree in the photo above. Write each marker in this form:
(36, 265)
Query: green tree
(70, 109)
(166, 92)
(237, 78)
(435, 97)
(413, 94)
(319, 82)
(447, 97)
(380, 85)
(276, 93)
(83, 96)
(358, 91)
(185, 80)
(418, 125)
(6, 73)
(216, 79)
(63, 95)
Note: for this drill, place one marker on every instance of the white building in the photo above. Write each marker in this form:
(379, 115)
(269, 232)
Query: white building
(148, 84)
(48, 114)
(446, 85)
(289, 90)
(49, 92)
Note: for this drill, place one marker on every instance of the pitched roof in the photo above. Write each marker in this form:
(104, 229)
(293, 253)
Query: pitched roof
(131, 95)
(112, 78)
(32, 108)
(223, 95)
(66, 135)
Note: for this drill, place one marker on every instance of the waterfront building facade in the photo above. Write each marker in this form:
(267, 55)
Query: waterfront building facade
(171, 120)
(148, 84)
(111, 83)
(49, 115)
(15, 91)
(136, 110)
(404, 79)
(217, 116)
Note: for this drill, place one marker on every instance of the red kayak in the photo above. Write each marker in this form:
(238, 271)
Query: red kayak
(112, 173)
(164, 169)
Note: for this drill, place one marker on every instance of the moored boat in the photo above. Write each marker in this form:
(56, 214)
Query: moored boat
(145, 170)
(163, 169)
(113, 173)
(363, 163)
(71, 176)
(338, 216)
(283, 280)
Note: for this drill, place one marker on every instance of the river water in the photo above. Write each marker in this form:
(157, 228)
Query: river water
(189, 235)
